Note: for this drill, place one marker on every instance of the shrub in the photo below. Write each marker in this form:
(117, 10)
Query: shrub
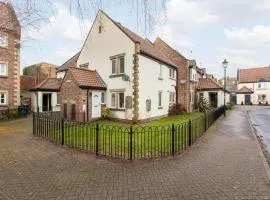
(203, 105)
(242, 103)
(230, 106)
(176, 109)
(105, 112)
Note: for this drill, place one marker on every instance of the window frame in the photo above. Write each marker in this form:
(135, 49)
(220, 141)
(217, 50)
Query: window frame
(5, 98)
(172, 98)
(6, 41)
(5, 69)
(172, 73)
(160, 73)
(117, 60)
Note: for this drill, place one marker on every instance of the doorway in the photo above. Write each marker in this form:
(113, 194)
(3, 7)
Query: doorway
(47, 102)
(213, 99)
(247, 99)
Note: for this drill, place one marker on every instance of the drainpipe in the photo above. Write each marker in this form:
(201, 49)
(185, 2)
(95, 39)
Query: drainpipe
(87, 106)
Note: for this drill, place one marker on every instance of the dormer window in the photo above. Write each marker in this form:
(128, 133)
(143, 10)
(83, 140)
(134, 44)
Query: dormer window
(84, 66)
(3, 41)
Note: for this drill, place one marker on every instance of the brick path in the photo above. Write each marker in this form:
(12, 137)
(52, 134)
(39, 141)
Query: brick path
(224, 164)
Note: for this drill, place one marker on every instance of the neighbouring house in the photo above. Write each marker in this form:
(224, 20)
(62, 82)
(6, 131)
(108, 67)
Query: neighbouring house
(46, 96)
(188, 74)
(212, 91)
(26, 83)
(231, 86)
(10, 35)
(140, 79)
(40, 71)
(82, 92)
(253, 86)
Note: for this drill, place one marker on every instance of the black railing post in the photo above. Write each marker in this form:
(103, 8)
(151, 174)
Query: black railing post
(173, 132)
(63, 132)
(97, 130)
(130, 143)
(189, 132)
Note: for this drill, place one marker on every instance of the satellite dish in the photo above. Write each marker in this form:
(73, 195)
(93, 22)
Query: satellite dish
(125, 77)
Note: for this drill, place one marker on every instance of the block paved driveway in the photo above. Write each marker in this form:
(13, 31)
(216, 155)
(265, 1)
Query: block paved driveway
(224, 164)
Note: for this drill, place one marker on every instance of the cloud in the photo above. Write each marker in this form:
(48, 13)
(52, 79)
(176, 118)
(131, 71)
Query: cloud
(63, 25)
(255, 36)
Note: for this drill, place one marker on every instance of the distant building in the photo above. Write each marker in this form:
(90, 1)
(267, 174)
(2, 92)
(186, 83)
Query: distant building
(10, 35)
(253, 86)
(26, 83)
(40, 71)
(231, 86)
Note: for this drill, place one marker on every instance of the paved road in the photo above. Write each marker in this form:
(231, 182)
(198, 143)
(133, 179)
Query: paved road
(260, 118)
(224, 164)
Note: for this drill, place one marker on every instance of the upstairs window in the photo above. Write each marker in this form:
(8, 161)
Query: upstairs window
(160, 72)
(118, 64)
(172, 73)
(262, 85)
(3, 69)
(3, 41)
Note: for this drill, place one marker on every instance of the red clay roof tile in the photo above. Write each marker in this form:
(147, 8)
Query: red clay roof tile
(254, 74)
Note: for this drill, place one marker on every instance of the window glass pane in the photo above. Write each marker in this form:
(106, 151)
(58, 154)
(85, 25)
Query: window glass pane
(160, 71)
(121, 100)
(114, 66)
(160, 99)
(58, 98)
(2, 98)
(102, 97)
(113, 99)
(3, 69)
(3, 41)
(122, 65)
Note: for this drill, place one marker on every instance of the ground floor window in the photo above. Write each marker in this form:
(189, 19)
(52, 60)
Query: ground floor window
(102, 97)
(172, 97)
(118, 100)
(58, 99)
(3, 98)
(160, 99)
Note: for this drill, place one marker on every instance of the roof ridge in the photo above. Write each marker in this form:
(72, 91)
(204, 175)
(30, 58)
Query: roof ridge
(78, 68)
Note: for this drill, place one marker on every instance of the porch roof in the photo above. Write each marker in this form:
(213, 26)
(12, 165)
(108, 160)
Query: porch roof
(49, 84)
(86, 78)
(208, 84)
(244, 90)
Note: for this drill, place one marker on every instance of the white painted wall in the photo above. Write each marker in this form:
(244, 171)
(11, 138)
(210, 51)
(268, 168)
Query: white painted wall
(220, 97)
(150, 85)
(39, 94)
(98, 49)
(257, 91)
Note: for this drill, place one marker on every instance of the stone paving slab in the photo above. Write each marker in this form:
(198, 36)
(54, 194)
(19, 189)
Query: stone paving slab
(223, 164)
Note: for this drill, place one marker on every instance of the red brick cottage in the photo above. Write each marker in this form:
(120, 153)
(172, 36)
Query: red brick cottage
(79, 90)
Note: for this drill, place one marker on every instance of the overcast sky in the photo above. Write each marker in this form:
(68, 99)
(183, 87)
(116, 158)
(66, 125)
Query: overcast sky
(211, 29)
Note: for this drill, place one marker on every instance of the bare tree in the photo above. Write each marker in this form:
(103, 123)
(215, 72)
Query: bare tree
(33, 13)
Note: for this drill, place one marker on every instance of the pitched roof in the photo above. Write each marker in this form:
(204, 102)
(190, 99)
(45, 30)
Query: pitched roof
(254, 74)
(208, 84)
(27, 82)
(146, 47)
(86, 78)
(49, 84)
(244, 90)
(8, 18)
(72, 62)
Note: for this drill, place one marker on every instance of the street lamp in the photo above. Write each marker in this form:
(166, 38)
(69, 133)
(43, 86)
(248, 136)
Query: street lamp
(225, 65)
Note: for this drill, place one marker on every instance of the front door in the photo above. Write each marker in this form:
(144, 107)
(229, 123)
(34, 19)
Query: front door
(96, 104)
(247, 99)
(46, 102)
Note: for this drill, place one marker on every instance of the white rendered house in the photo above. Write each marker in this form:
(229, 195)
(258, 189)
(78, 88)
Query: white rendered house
(141, 81)
(253, 86)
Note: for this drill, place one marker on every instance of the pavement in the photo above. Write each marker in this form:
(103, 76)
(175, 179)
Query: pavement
(223, 164)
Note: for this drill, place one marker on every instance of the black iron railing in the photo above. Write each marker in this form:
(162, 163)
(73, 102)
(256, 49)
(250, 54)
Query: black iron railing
(125, 142)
